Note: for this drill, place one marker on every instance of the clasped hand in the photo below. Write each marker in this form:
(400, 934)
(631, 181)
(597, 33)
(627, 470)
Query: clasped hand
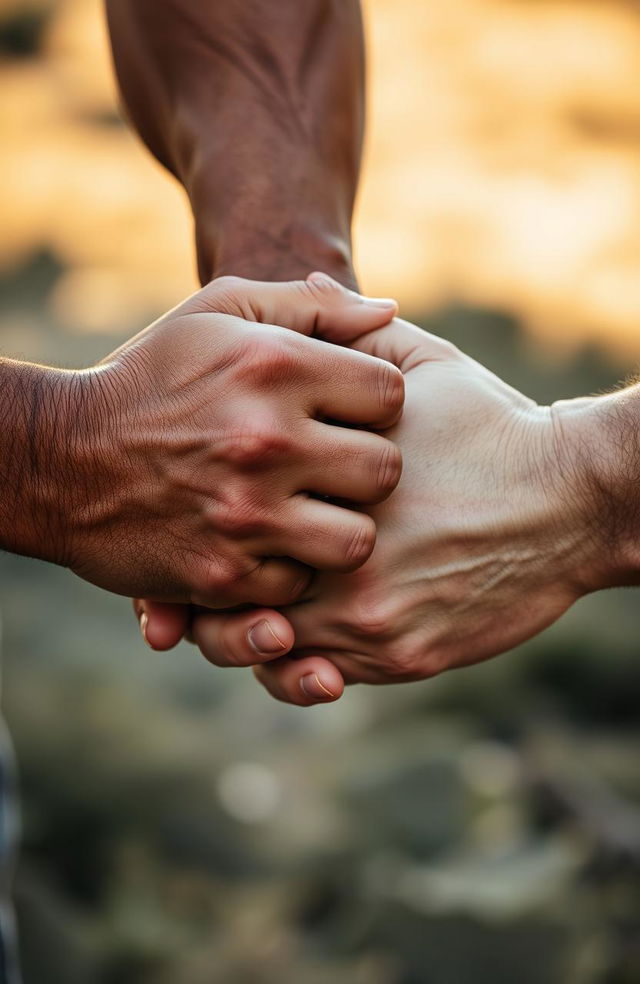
(219, 434)
(481, 545)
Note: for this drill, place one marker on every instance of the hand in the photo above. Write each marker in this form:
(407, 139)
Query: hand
(213, 434)
(487, 539)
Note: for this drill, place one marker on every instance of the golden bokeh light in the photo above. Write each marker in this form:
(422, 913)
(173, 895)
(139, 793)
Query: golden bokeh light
(504, 165)
(502, 169)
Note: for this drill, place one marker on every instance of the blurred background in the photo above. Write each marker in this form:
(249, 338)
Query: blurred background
(179, 826)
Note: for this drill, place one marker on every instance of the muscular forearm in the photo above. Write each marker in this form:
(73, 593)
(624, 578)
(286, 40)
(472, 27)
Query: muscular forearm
(257, 107)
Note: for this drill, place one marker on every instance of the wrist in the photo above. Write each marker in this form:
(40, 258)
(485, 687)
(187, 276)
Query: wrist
(293, 254)
(283, 231)
(601, 444)
(44, 409)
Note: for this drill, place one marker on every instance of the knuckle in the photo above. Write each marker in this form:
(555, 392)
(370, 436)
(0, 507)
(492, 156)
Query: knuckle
(389, 468)
(257, 444)
(216, 579)
(266, 357)
(305, 289)
(212, 581)
(300, 584)
(228, 282)
(234, 573)
(241, 516)
(372, 619)
(359, 545)
(405, 660)
(292, 587)
(390, 383)
(325, 288)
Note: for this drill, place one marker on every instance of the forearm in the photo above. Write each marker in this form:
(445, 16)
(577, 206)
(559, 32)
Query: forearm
(41, 413)
(600, 440)
(257, 107)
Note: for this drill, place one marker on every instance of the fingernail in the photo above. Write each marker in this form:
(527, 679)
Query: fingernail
(263, 639)
(144, 621)
(312, 686)
(380, 302)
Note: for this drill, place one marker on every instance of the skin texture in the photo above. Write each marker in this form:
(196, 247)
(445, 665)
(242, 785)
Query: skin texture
(257, 107)
(187, 466)
(485, 543)
(499, 524)
(506, 512)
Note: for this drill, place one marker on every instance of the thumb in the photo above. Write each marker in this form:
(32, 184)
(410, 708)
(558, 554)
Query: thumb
(405, 345)
(316, 306)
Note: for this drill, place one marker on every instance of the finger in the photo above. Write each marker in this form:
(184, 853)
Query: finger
(325, 536)
(318, 305)
(350, 464)
(405, 345)
(242, 638)
(271, 583)
(304, 682)
(162, 625)
(344, 385)
(350, 386)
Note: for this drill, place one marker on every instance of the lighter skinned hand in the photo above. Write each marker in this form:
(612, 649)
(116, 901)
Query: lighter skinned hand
(483, 544)
(219, 428)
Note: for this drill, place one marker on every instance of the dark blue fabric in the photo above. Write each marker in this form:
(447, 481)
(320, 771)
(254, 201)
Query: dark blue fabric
(9, 972)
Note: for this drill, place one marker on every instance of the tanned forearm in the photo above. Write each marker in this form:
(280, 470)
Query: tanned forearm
(42, 427)
(257, 107)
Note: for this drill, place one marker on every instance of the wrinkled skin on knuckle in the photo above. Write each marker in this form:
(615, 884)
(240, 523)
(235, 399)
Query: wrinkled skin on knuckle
(239, 513)
(390, 386)
(325, 290)
(358, 546)
(389, 469)
(244, 519)
(296, 591)
(291, 588)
